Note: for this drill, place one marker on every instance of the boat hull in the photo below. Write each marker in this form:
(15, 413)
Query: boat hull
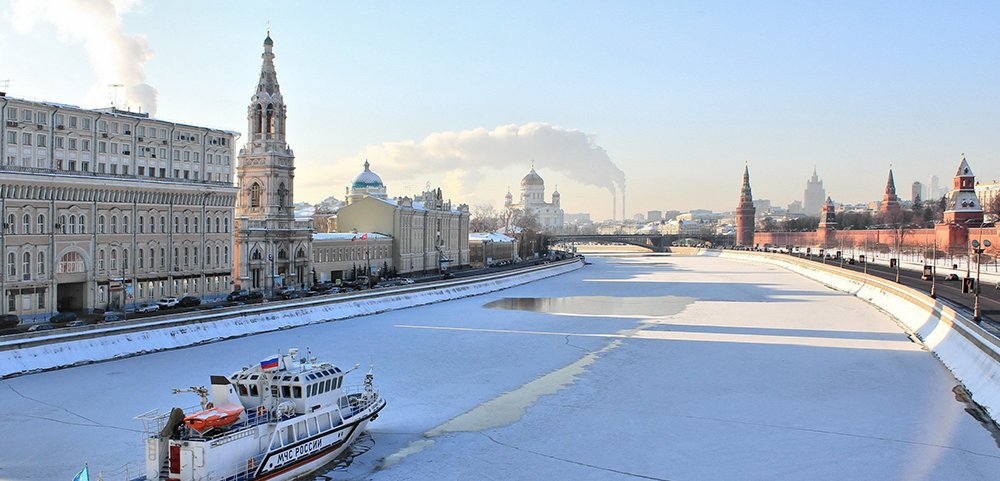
(313, 452)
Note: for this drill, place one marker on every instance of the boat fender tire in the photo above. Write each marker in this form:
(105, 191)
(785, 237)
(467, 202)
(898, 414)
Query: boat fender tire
(210, 405)
(261, 411)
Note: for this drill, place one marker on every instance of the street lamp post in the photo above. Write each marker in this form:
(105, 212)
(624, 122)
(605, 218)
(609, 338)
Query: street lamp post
(934, 270)
(979, 248)
(270, 258)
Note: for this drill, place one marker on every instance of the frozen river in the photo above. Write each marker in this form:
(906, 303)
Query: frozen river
(652, 367)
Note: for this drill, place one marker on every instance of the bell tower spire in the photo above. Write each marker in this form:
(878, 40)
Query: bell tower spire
(272, 248)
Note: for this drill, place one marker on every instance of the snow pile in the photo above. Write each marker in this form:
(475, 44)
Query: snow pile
(969, 352)
(121, 340)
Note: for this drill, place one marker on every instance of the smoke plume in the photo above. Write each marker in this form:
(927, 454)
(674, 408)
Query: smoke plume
(116, 57)
(463, 156)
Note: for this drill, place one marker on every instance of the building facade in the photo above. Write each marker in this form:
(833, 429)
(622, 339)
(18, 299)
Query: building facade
(273, 249)
(428, 233)
(106, 208)
(532, 200)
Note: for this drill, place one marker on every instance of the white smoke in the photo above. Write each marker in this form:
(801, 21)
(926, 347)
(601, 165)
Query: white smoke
(463, 156)
(116, 57)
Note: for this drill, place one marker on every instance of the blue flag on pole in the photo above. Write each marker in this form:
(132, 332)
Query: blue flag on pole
(84, 475)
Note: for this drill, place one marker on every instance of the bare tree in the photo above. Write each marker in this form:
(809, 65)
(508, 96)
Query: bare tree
(485, 218)
(991, 208)
(526, 220)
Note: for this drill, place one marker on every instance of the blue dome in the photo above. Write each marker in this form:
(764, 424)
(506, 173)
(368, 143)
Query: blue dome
(367, 179)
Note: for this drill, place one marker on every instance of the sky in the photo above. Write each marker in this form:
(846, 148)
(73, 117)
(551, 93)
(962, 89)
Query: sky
(666, 99)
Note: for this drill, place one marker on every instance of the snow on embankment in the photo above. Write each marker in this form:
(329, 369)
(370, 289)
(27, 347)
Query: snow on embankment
(972, 354)
(25, 353)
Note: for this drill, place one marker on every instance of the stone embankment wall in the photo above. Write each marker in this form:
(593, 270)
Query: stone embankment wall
(25, 353)
(968, 351)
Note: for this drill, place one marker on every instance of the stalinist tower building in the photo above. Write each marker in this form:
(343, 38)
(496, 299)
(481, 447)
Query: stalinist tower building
(272, 248)
(745, 213)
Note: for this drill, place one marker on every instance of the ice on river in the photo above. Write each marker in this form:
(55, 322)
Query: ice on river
(651, 367)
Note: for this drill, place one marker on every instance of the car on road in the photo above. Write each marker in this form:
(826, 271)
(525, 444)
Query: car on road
(189, 301)
(147, 307)
(951, 277)
(237, 295)
(41, 327)
(8, 321)
(112, 317)
(167, 302)
(77, 324)
(255, 297)
(62, 317)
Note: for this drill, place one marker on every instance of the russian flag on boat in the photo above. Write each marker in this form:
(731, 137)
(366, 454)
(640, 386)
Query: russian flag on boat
(269, 363)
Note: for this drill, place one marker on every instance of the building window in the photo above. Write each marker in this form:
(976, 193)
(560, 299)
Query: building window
(100, 260)
(41, 140)
(10, 224)
(41, 223)
(177, 225)
(152, 259)
(255, 195)
(41, 300)
(26, 223)
(71, 262)
(85, 145)
(26, 267)
(12, 137)
(194, 256)
(225, 224)
(163, 224)
(225, 255)
(101, 224)
(163, 258)
(114, 224)
(26, 139)
(142, 226)
(62, 223)
(72, 122)
(12, 114)
(195, 225)
(85, 123)
(177, 254)
(186, 256)
(187, 225)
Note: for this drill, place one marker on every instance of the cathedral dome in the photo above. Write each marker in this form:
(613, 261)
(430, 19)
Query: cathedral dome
(367, 179)
(532, 179)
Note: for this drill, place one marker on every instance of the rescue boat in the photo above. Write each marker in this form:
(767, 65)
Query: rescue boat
(279, 420)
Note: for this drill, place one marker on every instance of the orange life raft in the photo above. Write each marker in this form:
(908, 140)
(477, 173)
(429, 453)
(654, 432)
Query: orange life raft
(215, 417)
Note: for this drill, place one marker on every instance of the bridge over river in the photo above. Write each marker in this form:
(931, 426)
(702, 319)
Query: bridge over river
(636, 367)
(653, 242)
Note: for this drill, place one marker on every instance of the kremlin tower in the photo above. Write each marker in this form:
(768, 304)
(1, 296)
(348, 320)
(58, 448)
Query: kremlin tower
(745, 213)
(890, 203)
(963, 204)
(828, 223)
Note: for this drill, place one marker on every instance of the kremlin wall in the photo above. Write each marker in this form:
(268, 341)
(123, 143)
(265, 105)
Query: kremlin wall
(963, 223)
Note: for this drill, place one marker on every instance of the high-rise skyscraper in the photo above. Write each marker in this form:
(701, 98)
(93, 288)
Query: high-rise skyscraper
(815, 195)
(917, 191)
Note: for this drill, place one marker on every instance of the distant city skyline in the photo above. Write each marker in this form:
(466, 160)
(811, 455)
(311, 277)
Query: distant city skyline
(674, 98)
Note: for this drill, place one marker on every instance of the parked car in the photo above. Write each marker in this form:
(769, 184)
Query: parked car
(406, 281)
(951, 277)
(255, 297)
(189, 301)
(41, 327)
(62, 317)
(237, 296)
(167, 302)
(147, 307)
(77, 324)
(290, 294)
(112, 317)
(9, 321)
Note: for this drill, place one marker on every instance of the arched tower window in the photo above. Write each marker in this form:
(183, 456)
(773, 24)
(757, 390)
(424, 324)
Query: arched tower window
(269, 126)
(256, 119)
(255, 195)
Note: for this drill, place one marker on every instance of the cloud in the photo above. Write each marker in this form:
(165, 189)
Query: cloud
(464, 156)
(116, 58)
